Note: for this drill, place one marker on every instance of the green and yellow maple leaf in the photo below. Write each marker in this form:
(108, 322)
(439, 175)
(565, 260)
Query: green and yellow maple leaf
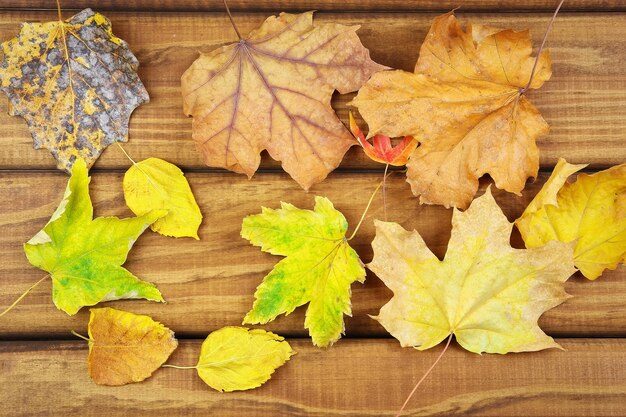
(590, 212)
(84, 255)
(154, 183)
(237, 359)
(486, 293)
(318, 269)
(74, 82)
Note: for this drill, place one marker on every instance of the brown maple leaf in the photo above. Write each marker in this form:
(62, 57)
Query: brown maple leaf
(272, 91)
(465, 104)
(74, 82)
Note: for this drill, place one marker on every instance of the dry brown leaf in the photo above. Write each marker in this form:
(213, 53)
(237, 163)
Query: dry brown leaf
(272, 91)
(126, 347)
(465, 106)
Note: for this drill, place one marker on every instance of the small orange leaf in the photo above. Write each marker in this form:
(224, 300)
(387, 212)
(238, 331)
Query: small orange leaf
(126, 347)
(382, 151)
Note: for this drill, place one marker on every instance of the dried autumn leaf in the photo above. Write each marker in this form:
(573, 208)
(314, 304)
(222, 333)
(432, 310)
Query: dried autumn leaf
(156, 184)
(590, 212)
(272, 91)
(382, 151)
(237, 359)
(318, 269)
(466, 107)
(126, 347)
(74, 82)
(83, 255)
(486, 293)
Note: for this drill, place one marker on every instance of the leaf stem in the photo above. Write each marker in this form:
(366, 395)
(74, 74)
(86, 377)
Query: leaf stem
(232, 21)
(125, 153)
(384, 193)
(179, 367)
(59, 10)
(24, 294)
(543, 42)
(425, 375)
(81, 336)
(369, 203)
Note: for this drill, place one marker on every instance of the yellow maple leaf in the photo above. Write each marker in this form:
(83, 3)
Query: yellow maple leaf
(272, 91)
(74, 82)
(126, 347)
(465, 104)
(486, 293)
(590, 212)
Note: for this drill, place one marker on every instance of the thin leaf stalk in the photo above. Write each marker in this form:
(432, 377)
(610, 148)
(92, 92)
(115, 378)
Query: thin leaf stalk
(425, 375)
(369, 204)
(543, 42)
(24, 294)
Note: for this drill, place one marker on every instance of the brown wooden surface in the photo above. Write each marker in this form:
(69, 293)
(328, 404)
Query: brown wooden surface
(210, 283)
(356, 378)
(583, 102)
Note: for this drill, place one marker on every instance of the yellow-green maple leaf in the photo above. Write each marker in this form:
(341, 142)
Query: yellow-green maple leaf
(486, 293)
(74, 82)
(318, 269)
(590, 211)
(84, 255)
(236, 358)
(156, 184)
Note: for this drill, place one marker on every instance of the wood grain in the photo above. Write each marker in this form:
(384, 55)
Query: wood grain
(210, 283)
(583, 103)
(355, 378)
(324, 5)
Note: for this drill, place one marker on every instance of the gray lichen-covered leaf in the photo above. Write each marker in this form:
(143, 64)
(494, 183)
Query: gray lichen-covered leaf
(74, 82)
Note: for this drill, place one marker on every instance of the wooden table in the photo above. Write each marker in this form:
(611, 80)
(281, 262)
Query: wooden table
(210, 283)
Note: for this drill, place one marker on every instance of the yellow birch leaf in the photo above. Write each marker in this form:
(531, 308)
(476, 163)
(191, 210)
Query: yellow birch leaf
(486, 293)
(236, 358)
(75, 84)
(156, 184)
(590, 212)
(126, 347)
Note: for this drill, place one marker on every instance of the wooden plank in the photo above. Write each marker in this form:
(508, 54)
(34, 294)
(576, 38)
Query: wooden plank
(322, 5)
(584, 102)
(355, 378)
(210, 283)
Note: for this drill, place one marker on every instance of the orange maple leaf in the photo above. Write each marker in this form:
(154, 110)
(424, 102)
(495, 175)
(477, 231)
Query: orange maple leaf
(465, 104)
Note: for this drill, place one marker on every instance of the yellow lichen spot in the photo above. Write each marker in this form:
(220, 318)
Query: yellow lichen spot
(89, 106)
(82, 61)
